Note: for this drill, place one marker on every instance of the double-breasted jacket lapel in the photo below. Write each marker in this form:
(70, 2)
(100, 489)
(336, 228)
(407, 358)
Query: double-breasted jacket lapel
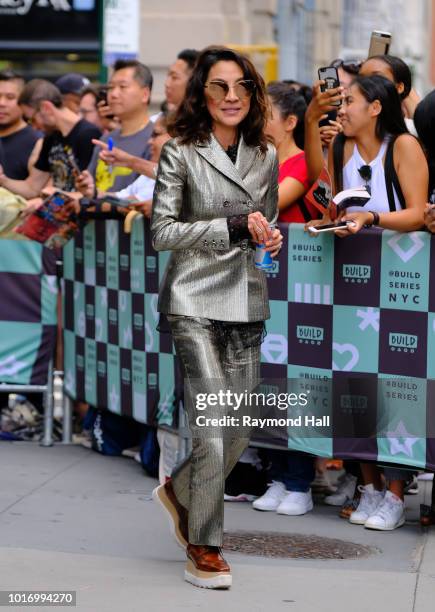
(215, 155)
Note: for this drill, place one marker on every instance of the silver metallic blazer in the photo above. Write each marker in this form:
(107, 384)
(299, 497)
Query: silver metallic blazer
(197, 188)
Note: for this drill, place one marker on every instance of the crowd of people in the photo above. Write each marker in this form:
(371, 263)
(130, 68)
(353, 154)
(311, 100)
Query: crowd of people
(94, 139)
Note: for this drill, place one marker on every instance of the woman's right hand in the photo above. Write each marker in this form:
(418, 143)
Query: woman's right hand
(258, 227)
(322, 102)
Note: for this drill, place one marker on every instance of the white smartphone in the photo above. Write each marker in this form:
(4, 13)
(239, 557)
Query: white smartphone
(330, 227)
(380, 43)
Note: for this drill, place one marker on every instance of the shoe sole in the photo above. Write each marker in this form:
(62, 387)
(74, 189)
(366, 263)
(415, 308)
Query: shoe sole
(400, 524)
(159, 496)
(357, 521)
(240, 498)
(265, 509)
(295, 513)
(333, 502)
(206, 580)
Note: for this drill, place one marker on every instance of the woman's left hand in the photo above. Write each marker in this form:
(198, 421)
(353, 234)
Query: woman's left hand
(274, 245)
(359, 219)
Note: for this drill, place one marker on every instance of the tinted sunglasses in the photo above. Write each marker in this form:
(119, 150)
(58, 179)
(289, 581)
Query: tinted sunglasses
(365, 173)
(218, 90)
(350, 66)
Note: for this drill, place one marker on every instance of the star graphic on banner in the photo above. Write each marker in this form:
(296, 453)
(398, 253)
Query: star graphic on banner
(11, 366)
(400, 433)
(368, 317)
(114, 399)
(165, 407)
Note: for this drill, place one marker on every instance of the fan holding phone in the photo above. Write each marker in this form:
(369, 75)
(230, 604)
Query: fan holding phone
(374, 151)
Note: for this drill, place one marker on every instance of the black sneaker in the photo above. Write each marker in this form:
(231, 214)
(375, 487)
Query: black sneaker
(245, 483)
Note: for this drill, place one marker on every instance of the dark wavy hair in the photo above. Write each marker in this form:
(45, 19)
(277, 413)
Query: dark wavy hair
(192, 122)
(289, 102)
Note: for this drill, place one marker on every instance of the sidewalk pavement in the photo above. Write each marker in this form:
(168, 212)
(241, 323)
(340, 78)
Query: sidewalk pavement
(71, 519)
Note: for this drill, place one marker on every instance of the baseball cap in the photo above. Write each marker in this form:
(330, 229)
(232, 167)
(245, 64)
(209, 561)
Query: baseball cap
(72, 83)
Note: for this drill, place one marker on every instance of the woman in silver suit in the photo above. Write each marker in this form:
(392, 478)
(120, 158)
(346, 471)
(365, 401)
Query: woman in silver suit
(215, 197)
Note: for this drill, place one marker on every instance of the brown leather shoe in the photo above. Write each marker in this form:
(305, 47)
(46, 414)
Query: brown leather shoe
(177, 514)
(207, 568)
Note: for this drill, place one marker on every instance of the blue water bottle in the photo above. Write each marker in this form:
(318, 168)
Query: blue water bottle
(263, 259)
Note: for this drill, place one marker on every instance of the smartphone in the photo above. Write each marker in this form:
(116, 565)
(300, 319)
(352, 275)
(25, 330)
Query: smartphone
(330, 227)
(330, 76)
(102, 97)
(379, 43)
(332, 116)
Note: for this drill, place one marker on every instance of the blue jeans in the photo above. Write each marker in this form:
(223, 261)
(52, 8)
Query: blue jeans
(295, 470)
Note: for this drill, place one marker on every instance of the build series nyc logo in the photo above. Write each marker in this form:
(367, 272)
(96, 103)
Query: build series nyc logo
(356, 273)
(306, 334)
(402, 343)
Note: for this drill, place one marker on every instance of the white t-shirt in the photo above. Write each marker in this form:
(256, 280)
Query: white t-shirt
(351, 178)
(142, 189)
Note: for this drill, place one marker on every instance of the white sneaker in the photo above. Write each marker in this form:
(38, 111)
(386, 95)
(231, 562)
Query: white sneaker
(270, 501)
(296, 503)
(370, 500)
(345, 491)
(389, 515)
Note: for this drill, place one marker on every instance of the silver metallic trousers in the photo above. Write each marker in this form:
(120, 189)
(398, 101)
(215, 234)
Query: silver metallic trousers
(212, 351)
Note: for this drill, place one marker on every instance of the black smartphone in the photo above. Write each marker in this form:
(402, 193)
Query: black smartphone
(102, 95)
(332, 116)
(329, 74)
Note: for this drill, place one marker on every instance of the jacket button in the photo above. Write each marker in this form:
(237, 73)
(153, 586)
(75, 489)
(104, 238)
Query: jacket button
(243, 246)
(205, 242)
(226, 203)
(250, 203)
(213, 243)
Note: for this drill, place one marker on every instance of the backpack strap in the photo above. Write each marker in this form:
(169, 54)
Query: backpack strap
(338, 158)
(391, 178)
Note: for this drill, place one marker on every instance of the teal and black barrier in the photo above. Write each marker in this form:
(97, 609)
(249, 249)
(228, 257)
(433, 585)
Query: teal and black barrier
(352, 325)
(28, 315)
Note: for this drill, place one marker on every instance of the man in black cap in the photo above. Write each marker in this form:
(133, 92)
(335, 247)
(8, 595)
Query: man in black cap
(71, 86)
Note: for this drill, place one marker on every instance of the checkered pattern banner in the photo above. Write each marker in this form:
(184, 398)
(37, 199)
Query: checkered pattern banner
(114, 356)
(28, 315)
(353, 323)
